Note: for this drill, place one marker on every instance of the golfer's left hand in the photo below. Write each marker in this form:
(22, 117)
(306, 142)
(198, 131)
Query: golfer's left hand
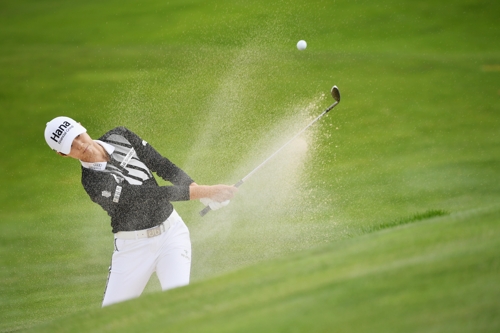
(214, 205)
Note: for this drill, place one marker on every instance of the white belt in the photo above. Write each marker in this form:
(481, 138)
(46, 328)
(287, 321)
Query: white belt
(145, 233)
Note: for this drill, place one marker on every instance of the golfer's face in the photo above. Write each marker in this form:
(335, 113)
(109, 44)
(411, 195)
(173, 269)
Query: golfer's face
(82, 147)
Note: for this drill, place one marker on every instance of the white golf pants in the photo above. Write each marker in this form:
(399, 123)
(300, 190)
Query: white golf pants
(135, 260)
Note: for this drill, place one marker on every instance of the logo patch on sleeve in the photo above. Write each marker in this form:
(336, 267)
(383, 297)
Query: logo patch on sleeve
(127, 158)
(118, 191)
(106, 194)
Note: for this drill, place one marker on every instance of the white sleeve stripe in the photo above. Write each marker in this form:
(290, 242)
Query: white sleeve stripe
(138, 174)
(120, 139)
(122, 150)
(133, 181)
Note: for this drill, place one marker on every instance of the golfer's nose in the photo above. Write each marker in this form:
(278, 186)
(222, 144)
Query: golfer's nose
(78, 144)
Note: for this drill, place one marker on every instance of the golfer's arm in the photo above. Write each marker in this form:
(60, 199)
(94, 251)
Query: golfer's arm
(197, 192)
(215, 192)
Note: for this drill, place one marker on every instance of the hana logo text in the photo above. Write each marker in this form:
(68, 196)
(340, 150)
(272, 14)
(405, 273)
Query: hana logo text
(61, 130)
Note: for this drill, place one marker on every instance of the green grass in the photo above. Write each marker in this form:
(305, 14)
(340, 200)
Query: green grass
(436, 275)
(388, 221)
(405, 220)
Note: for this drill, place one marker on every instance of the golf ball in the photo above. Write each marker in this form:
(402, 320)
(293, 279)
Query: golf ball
(301, 45)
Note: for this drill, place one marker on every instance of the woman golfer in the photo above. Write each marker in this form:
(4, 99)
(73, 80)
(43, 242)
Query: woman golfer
(149, 235)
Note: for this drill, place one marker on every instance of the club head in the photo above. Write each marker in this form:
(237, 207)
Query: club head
(335, 93)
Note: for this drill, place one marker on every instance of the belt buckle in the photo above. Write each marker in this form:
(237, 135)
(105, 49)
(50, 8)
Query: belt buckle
(153, 232)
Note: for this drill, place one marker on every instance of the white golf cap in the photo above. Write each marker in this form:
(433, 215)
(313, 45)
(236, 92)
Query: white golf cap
(60, 133)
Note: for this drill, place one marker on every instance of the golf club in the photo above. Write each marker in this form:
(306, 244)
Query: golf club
(336, 96)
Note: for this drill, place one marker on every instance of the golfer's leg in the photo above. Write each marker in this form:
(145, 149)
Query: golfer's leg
(174, 265)
(131, 267)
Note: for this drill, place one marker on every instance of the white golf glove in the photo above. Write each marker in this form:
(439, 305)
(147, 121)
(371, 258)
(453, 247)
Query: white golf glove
(214, 205)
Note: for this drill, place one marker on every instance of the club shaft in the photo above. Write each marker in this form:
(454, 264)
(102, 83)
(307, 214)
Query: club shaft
(207, 209)
(286, 144)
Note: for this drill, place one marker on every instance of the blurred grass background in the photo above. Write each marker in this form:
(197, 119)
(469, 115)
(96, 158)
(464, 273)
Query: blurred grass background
(219, 85)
